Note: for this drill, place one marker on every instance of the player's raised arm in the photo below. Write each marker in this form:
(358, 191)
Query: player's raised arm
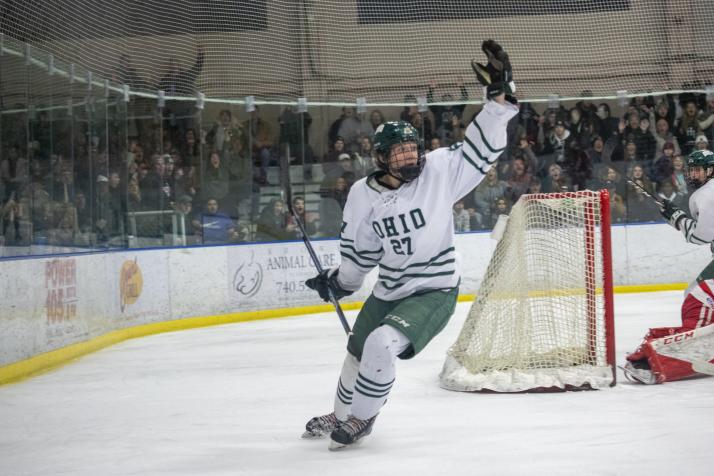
(486, 137)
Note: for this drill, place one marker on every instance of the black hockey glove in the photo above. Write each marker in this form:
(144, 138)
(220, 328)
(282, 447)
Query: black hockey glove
(496, 75)
(673, 214)
(327, 279)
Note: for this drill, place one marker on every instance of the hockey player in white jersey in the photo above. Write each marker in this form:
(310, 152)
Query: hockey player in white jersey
(652, 362)
(400, 220)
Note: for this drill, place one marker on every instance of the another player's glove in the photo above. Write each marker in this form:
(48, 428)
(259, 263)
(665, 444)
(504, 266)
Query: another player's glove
(496, 75)
(672, 213)
(327, 279)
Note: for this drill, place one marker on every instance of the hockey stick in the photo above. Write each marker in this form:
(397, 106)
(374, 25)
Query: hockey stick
(287, 188)
(646, 193)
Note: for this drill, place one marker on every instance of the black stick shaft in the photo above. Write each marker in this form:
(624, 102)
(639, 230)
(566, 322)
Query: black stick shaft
(645, 192)
(308, 244)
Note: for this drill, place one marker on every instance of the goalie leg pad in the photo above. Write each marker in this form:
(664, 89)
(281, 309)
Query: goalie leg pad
(677, 355)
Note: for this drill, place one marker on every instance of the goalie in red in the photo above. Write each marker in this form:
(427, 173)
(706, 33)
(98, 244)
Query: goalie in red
(674, 353)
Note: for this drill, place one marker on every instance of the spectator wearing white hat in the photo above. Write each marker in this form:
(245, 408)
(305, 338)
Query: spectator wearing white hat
(701, 142)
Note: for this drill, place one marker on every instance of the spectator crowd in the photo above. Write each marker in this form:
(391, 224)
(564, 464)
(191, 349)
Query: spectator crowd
(113, 173)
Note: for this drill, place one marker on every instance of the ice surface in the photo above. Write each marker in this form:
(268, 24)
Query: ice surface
(233, 400)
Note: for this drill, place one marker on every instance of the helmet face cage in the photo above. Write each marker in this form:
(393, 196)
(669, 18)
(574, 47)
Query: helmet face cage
(398, 132)
(703, 159)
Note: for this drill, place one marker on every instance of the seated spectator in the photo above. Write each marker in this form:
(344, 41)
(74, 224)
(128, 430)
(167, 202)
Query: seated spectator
(556, 181)
(109, 211)
(500, 207)
(664, 136)
(524, 149)
(645, 141)
(701, 142)
(184, 211)
(618, 210)
(661, 168)
(273, 223)
(486, 193)
(215, 179)
(344, 169)
(260, 136)
(687, 127)
(666, 110)
(579, 167)
(423, 125)
(353, 128)
(219, 136)
(155, 187)
(595, 151)
(536, 186)
(214, 227)
(329, 162)
(705, 121)
(444, 114)
(307, 219)
(133, 196)
(67, 232)
(637, 174)
(519, 180)
(610, 179)
(10, 217)
(331, 205)
(557, 142)
(629, 158)
(462, 219)
(190, 149)
(375, 119)
(608, 124)
(666, 191)
(639, 206)
(294, 135)
(679, 176)
(435, 143)
(363, 163)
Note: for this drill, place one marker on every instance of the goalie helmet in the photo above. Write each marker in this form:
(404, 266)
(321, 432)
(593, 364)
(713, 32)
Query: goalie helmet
(398, 132)
(697, 159)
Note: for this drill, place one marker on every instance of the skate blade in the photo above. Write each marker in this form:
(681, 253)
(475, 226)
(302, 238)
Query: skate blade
(313, 436)
(336, 446)
(636, 377)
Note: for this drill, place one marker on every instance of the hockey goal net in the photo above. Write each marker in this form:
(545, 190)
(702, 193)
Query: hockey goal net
(543, 316)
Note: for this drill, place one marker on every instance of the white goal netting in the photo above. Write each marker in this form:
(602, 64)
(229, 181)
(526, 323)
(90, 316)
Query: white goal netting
(540, 317)
(387, 52)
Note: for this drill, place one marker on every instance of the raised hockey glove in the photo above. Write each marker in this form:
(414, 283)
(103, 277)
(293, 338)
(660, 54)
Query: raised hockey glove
(327, 279)
(496, 75)
(673, 214)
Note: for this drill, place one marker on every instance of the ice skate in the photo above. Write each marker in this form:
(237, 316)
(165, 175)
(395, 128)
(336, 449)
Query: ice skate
(321, 426)
(350, 433)
(639, 372)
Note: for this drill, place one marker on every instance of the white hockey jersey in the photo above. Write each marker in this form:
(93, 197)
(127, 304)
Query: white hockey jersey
(409, 232)
(699, 230)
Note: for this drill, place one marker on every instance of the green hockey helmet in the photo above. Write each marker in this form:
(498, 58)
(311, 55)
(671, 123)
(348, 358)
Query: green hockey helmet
(398, 132)
(705, 160)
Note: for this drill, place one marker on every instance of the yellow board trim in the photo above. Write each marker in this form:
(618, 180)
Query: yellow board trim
(51, 360)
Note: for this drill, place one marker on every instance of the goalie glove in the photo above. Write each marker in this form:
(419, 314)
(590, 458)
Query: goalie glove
(673, 214)
(325, 281)
(496, 75)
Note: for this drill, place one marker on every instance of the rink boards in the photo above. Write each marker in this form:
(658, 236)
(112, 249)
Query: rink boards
(53, 309)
